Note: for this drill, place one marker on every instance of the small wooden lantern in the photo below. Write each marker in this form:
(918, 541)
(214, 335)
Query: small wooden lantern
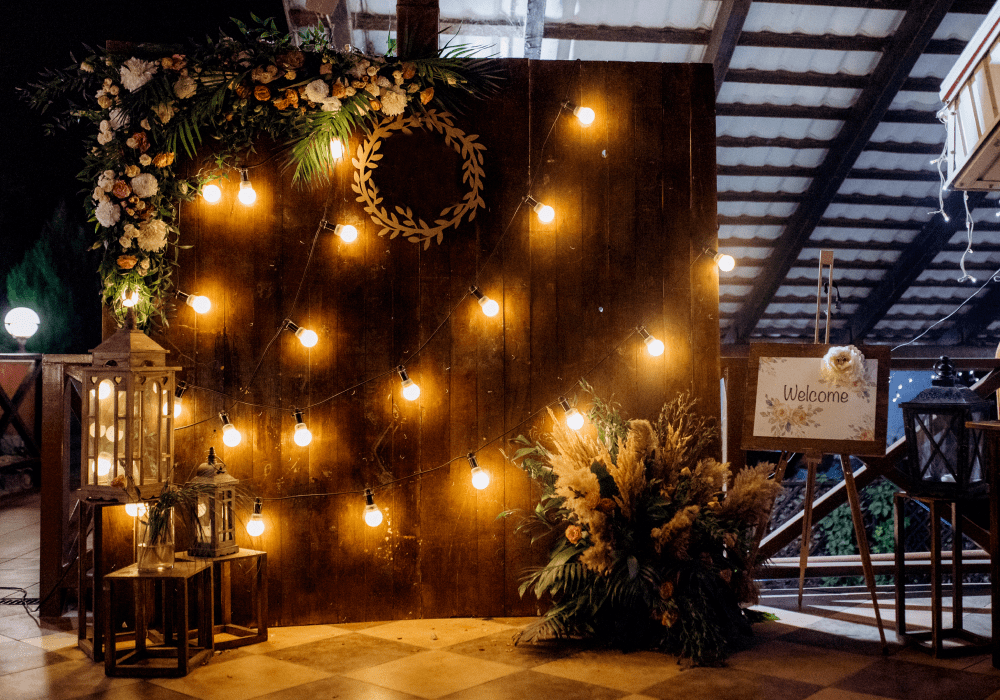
(214, 533)
(127, 418)
(944, 457)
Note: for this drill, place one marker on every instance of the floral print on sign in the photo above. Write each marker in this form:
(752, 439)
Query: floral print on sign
(787, 420)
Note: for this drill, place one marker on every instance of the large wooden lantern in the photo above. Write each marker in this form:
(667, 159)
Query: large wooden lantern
(215, 533)
(944, 457)
(128, 417)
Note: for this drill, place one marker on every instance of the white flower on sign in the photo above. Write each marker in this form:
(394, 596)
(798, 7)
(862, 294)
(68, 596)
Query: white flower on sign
(843, 366)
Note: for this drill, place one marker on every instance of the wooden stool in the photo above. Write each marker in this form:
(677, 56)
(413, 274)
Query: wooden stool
(258, 593)
(177, 601)
(933, 641)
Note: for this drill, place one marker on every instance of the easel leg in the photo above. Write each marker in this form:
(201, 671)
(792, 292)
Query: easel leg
(807, 506)
(862, 537)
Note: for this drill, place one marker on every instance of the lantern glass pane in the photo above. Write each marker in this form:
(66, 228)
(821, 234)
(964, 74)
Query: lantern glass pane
(937, 445)
(150, 429)
(203, 531)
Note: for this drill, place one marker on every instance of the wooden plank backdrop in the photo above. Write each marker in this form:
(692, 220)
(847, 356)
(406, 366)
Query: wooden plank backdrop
(635, 201)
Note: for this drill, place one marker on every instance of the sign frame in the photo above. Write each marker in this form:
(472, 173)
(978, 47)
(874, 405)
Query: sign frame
(875, 447)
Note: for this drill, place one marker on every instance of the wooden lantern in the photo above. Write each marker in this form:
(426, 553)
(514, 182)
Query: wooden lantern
(944, 457)
(127, 431)
(214, 533)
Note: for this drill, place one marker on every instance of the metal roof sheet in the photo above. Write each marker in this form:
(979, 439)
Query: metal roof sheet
(811, 19)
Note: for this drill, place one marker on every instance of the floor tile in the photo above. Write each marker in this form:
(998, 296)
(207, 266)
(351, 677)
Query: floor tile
(630, 673)
(844, 636)
(919, 656)
(284, 637)
(18, 656)
(432, 674)
(501, 648)
(530, 684)
(54, 642)
(984, 666)
(894, 678)
(437, 634)
(838, 694)
(338, 687)
(345, 652)
(245, 677)
(60, 681)
(799, 662)
(143, 690)
(729, 684)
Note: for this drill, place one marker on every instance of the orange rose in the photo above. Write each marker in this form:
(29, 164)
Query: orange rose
(242, 90)
(573, 534)
(409, 70)
(339, 91)
(162, 160)
(121, 189)
(375, 105)
(426, 95)
(262, 93)
(127, 262)
(292, 97)
(141, 142)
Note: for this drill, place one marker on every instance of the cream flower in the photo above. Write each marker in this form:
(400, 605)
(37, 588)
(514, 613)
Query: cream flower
(393, 102)
(106, 133)
(145, 159)
(131, 170)
(152, 235)
(136, 73)
(107, 213)
(383, 82)
(125, 242)
(87, 67)
(164, 111)
(144, 124)
(331, 104)
(317, 91)
(843, 366)
(131, 231)
(100, 195)
(185, 87)
(144, 185)
(107, 180)
(103, 100)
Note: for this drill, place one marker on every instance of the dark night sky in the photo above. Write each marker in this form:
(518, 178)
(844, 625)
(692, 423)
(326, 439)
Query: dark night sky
(36, 172)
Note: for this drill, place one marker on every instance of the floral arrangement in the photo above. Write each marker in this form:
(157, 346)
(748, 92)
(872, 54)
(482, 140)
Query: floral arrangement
(653, 545)
(843, 366)
(150, 104)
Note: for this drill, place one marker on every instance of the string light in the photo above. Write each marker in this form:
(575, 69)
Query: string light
(178, 398)
(211, 193)
(302, 436)
(307, 337)
(574, 419)
(654, 346)
(136, 509)
(347, 233)
(130, 299)
(230, 435)
(104, 460)
(545, 213)
(725, 261)
(373, 516)
(247, 193)
(200, 304)
(104, 389)
(336, 149)
(490, 307)
(410, 389)
(480, 477)
(584, 114)
(255, 526)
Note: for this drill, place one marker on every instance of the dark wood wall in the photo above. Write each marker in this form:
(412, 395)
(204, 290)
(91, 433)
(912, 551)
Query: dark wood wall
(635, 201)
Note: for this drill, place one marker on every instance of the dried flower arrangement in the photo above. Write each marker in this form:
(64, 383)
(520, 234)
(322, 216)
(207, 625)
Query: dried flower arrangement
(145, 106)
(653, 544)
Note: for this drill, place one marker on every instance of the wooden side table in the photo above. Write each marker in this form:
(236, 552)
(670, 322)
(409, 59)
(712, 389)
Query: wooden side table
(187, 585)
(258, 592)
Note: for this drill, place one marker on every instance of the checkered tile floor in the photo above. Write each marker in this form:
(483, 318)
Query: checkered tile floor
(827, 651)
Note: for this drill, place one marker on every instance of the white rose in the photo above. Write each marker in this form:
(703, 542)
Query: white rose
(393, 102)
(99, 195)
(317, 91)
(164, 111)
(144, 185)
(185, 87)
(106, 133)
(136, 73)
(144, 159)
(107, 213)
(152, 235)
(125, 242)
(107, 180)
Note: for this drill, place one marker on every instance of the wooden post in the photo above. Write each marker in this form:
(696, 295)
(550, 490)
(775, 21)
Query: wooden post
(417, 28)
(812, 460)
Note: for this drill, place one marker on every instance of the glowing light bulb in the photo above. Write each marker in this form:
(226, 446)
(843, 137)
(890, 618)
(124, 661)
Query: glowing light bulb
(21, 322)
(178, 398)
(545, 213)
(104, 389)
(480, 477)
(230, 435)
(653, 345)
(307, 337)
(130, 297)
(202, 509)
(247, 194)
(136, 510)
(178, 407)
(336, 149)
(302, 436)
(200, 304)
(104, 463)
(347, 233)
(490, 307)
(725, 261)
(211, 193)
(584, 114)
(410, 389)
(255, 526)
(373, 516)
(574, 419)
(93, 429)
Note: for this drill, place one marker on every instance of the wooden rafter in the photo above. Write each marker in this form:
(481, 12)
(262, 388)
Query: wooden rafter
(741, 109)
(803, 144)
(799, 171)
(907, 44)
(725, 35)
(919, 256)
(826, 80)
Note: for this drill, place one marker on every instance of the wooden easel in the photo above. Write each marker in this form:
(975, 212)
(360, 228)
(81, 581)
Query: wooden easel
(813, 460)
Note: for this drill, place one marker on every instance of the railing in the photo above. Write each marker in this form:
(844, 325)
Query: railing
(734, 372)
(20, 420)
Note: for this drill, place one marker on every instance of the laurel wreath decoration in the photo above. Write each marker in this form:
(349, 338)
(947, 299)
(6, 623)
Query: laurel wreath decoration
(416, 230)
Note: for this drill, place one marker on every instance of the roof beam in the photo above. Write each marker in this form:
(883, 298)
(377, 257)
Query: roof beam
(976, 7)
(907, 44)
(822, 144)
(876, 200)
(798, 171)
(931, 240)
(534, 29)
(744, 109)
(829, 80)
(725, 35)
(875, 224)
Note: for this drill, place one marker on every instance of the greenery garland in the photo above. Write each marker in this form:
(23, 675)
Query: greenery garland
(148, 106)
(649, 547)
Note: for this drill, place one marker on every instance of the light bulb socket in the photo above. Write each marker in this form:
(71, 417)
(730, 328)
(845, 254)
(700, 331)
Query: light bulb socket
(534, 203)
(298, 416)
(474, 290)
(181, 388)
(291, 326)
(472, 460)
(644, 333)
(565, 404)
(402, 373)
(224, 417)
(369, 498)
(258, 506)
(244, 179)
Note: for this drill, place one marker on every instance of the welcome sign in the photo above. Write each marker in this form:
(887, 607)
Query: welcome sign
(790, 404)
